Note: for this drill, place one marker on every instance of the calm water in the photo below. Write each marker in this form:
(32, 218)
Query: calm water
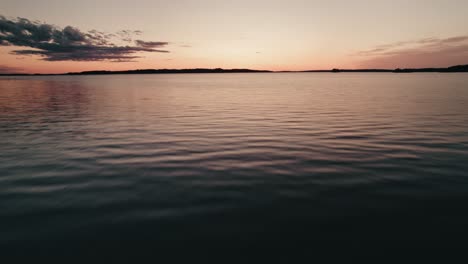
(236, 164)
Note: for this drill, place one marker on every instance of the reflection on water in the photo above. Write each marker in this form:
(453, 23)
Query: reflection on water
(308, 162)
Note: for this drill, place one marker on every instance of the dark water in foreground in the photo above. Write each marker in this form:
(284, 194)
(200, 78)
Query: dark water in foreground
(255, 165)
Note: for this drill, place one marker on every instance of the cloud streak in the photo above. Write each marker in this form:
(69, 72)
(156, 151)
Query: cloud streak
(150, 44)
(428, 52)
(52, 43)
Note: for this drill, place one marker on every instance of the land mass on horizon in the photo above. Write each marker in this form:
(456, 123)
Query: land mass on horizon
(452, 69)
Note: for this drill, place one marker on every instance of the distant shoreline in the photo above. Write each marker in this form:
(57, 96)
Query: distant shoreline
(453, 69)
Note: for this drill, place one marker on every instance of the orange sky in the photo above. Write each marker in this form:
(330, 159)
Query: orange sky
(274, 35)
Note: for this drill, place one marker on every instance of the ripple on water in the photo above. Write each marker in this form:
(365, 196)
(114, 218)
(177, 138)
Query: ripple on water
(229, 156)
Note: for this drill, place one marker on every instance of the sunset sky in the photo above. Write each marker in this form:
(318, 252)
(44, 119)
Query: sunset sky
(54, 36)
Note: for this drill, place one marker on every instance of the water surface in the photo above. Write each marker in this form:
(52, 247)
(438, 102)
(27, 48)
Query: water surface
(228, 163)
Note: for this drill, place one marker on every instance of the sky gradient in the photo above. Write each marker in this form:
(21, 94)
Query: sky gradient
(257, 34)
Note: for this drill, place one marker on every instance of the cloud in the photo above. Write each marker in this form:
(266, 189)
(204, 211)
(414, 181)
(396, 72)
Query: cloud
(128, 35)
(428, 52)
(150, 44)
(71, 44)
(8, 69)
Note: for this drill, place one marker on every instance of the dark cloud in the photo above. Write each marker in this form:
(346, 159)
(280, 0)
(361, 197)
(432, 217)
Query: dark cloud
(8, 69)
(150, 44)
(71, 44)
(428, 52)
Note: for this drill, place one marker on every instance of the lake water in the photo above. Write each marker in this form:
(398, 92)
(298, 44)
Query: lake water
(262, 165)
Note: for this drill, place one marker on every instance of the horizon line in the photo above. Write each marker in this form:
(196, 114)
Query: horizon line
(455, 68)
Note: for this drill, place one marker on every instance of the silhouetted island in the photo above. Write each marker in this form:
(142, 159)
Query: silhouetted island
(458, 68)
(167, 71)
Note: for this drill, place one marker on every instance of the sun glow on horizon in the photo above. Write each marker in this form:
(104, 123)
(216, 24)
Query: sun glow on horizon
(263, 35)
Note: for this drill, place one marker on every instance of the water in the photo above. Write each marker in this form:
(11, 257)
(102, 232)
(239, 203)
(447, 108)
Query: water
(323, 164)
